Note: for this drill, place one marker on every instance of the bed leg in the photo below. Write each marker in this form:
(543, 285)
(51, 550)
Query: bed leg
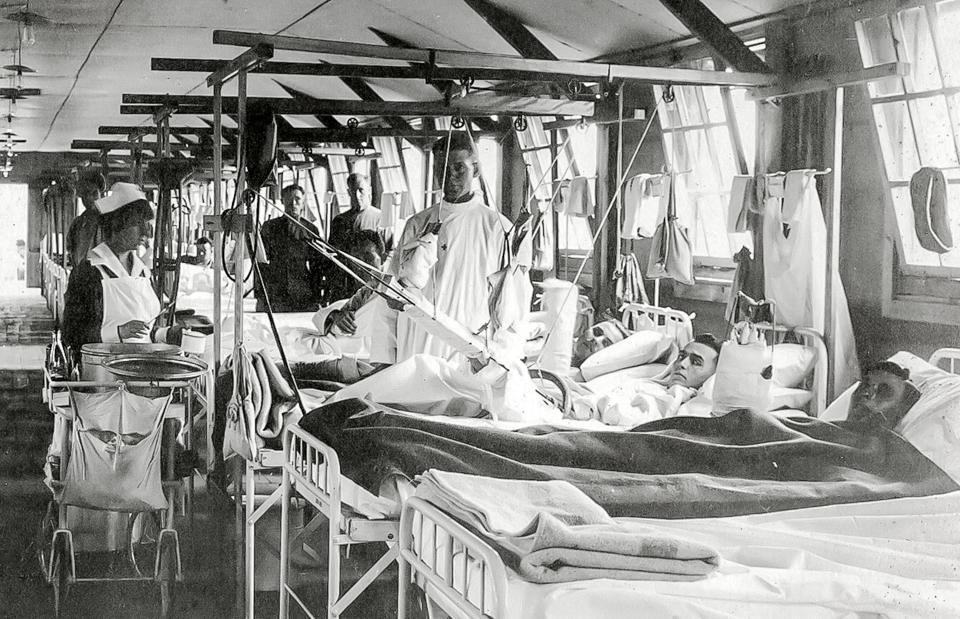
(333, 562)
(284, 541)
(403, 586)
(249, 538)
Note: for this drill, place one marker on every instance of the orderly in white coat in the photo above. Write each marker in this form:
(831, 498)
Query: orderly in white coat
(109, 296)
(445, 257)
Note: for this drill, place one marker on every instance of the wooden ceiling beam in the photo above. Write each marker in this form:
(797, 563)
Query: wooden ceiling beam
(467, 61)
(202, 104)
(152, 130)
(326, 120)
(707, 27)
(512, 30)
(440, 85)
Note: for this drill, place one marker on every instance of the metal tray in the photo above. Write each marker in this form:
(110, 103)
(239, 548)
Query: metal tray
(155, 367)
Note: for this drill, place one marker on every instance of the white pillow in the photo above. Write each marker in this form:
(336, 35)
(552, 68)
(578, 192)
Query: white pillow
(921, 372)
(640, 348)
(838, 409)
(933, 424)
(792, 363)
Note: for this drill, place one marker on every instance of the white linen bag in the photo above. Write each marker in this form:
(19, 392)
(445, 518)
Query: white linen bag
(744, 374)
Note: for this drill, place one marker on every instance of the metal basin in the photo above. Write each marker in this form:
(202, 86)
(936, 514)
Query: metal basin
(149, 367)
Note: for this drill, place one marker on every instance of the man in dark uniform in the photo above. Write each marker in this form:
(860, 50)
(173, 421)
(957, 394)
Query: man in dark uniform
(84, 233)
(293, 276)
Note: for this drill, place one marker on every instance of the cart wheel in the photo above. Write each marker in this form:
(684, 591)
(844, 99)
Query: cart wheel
(44, 540)
(60, 574)
(167, 575)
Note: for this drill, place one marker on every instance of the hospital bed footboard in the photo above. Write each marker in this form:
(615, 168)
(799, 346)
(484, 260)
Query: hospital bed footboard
(460, 572)
(311, 471)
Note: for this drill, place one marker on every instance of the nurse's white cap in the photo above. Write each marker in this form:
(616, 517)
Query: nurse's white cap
(121, 194)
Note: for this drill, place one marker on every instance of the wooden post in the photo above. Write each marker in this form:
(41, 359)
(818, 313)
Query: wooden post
(832, 149)
(602, 271)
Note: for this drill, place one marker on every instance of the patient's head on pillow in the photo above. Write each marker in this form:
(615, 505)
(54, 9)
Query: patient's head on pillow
(884, 396)
(697, 362)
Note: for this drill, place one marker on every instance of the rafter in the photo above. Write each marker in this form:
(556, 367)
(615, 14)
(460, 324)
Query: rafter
(707, 27)
(326, 119)
(440, 85)
(512, 30)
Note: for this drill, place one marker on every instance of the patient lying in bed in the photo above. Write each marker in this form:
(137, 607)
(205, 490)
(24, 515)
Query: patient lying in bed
(646, 399)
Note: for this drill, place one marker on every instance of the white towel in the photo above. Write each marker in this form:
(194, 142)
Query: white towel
(578, 201)
(644, 205)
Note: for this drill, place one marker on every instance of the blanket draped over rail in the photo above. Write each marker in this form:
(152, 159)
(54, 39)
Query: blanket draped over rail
(682, 467)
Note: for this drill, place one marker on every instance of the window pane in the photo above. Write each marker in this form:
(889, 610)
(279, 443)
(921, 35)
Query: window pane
(896, 140)
(688, 104)
(934, 133)
(714, 103)
(746, 114)
(877, 47)
(948, 27)
(918, 45)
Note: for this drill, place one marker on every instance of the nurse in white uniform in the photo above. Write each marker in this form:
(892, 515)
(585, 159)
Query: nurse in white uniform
(109, 297)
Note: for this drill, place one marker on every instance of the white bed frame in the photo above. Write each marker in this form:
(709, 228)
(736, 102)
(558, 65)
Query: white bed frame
(431, 545)
(817, 380)
(949, 355)
(674, 322)
(311, 471)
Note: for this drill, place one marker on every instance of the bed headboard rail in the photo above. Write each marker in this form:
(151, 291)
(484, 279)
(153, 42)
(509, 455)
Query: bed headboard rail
(946, 359)
(817, 381)
(675, 323)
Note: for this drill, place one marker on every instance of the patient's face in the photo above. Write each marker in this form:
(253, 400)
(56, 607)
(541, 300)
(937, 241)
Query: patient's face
(882, 399)
(697, 363)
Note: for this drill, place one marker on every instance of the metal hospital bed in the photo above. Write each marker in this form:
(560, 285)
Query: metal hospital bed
(311, 471)
(465, 577)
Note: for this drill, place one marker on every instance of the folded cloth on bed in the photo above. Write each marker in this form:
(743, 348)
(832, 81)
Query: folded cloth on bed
(559, 552)
(508, 507)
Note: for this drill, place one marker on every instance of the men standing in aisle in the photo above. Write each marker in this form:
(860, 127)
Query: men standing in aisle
(446, 257)
(84, 233)
(361, 215)
(292, 277)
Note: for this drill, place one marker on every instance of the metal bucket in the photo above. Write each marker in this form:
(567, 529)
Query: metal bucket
(93, 356)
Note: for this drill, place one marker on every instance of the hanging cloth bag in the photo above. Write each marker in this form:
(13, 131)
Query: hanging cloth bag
(931, 218)
(671, 254)
(114, 460)
(744, 376)
(543, 248)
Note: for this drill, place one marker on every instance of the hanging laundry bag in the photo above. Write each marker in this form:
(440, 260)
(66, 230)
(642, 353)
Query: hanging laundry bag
(671, 254)
(931, 217)
(114, 462)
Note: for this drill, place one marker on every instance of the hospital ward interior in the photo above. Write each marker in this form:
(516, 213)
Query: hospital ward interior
(480, 309)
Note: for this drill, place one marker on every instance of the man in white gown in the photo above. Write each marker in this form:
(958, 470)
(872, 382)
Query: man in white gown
(445, 259)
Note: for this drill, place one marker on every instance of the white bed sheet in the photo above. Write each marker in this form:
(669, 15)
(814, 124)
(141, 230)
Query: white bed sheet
(894, 558)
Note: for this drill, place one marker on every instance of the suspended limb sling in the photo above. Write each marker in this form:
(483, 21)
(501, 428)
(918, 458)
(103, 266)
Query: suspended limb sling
(603, 222)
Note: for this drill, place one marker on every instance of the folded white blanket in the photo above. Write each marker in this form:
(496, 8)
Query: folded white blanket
(561, 553)
(558, 534)
(508, 507)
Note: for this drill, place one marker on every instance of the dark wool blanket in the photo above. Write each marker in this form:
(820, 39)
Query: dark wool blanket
(682, 467)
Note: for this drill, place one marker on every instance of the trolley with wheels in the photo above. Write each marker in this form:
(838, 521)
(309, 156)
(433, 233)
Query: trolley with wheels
(110, 487)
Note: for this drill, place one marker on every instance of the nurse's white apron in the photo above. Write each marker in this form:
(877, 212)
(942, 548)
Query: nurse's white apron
(126, 296)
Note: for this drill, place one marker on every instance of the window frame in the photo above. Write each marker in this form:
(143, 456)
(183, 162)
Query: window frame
(893, 229)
